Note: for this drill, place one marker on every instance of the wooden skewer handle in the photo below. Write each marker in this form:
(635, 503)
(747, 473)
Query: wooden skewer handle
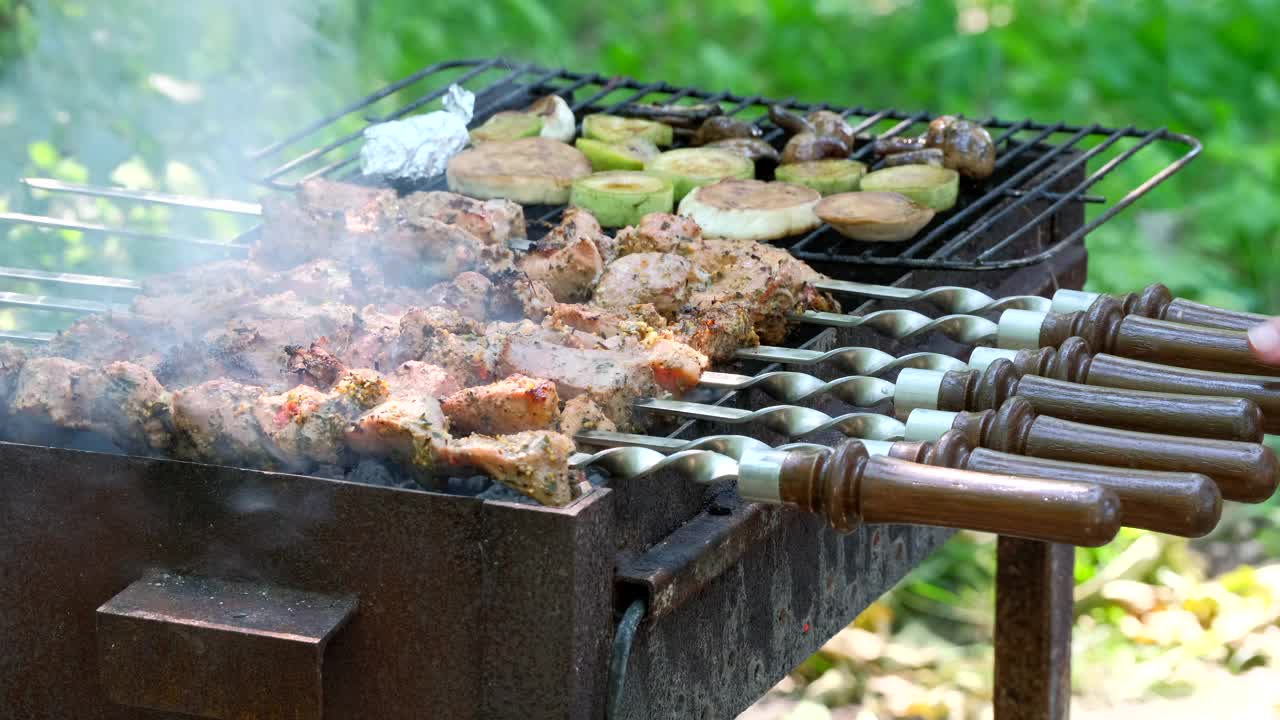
(1155, 301)
(850, 488)
(1244, 471)
(1073, 362)
(1185, 504)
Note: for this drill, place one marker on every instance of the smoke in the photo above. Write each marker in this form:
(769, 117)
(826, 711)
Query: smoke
(93, 86)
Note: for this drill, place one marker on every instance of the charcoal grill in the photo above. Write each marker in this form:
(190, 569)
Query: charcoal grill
(434, 605)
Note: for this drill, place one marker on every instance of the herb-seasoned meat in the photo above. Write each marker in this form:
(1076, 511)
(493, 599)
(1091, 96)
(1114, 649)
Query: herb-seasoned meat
(513, 404)
(661, 279)
(535, 463)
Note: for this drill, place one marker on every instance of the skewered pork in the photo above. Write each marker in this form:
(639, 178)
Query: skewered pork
(513, 404)
(660, 232)
(535, 462)
(661, 279)
(582, 413)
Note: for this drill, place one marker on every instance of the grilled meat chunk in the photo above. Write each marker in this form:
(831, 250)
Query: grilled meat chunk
(515, 295)
(216, 423)
(418, 379)
(445, 338)
(568, 271)
(313, 366)
(535, 463)
(717, 330)
(612, 379)
(468, 293)
(582, 413)
(122, 401)
(495, 222)
(662, 279)
(411, 431)
(638, 320)
(373, 339)
(306, 426)
(765, 280)
(513, 404)
(12, 358)
(662, 233)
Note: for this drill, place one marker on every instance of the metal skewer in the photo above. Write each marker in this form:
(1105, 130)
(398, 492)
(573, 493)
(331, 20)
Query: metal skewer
(234, 207)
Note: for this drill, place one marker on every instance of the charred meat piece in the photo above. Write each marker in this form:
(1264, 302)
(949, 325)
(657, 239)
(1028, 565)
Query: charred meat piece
(313, 366)
(12, 358)
(215, 422)
(495, 222)
(515, 295)
(373, 339)
(663, 279)
(445, 338)
(513, 404)
(100, 339)
(568, 271)
(468, 293)
(582, 413)
(765, 280)
(535, 463)
(676, 367)
(123, 402)
(660, 232)
(717, 330)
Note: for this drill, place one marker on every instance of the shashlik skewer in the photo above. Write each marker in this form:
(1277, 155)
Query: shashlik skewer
(1185, 504)
(849, 487)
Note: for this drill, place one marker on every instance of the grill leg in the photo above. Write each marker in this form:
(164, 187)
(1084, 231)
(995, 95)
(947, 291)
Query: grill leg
(1034, 586)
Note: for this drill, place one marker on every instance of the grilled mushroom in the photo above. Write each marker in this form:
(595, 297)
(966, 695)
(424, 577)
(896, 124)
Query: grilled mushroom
(807, 147)
(966, 146)
(832, 124)
(724, 128)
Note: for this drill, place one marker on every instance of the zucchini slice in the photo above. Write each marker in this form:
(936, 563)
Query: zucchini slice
(530, 171)
(621, 197)
(826, 176)
(614, 129)
(752, 209)
(931, 186)
(507, 125)
(874, 216)
(688, 168)
(630, 154)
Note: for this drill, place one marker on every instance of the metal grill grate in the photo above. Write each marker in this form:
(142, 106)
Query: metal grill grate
(1043, 171)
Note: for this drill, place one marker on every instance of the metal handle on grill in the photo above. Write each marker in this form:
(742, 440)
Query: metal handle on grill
(1227, 418)
(850, 487)
(1107, 329)
(1246, 472)
(1155, 301)
(1185, 504)
(1073, 362)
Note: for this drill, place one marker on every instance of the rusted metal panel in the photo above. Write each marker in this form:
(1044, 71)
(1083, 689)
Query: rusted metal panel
(217, 649)
(431, 571)
(1034, 584)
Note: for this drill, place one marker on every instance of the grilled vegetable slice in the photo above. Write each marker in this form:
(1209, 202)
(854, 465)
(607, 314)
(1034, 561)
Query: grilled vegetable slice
(530, 171)
(764, 155)
(752, 209)
(508, 125)
(826, 176)
(622, 197)
(807, 147)
(931, 186)
(629, 154)
(558, 122)
(688, 168)
(874, 216)
(614, 129)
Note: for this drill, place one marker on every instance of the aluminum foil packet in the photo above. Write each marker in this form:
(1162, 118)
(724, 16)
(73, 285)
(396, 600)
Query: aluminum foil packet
(419, 147)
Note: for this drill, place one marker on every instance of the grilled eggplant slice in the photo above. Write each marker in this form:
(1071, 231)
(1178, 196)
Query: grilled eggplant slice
(874, 216)
(530, 171)
(621, 197)
(688, 168)
(614, 129)
(752, 209)
(931, 186)
(826, 176)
